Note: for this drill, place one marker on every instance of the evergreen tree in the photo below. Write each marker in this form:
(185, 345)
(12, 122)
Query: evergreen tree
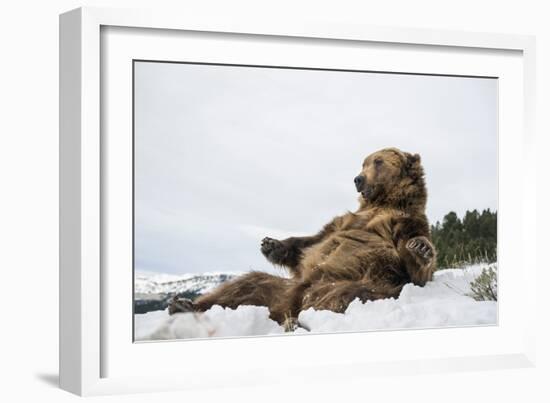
(471, 239)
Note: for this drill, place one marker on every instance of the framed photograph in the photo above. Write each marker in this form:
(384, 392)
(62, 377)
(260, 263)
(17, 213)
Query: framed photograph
(262, 200)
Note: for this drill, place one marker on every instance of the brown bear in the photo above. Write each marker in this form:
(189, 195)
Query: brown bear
(368, 254)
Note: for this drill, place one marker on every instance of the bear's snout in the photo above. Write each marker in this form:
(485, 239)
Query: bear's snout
(359, 182)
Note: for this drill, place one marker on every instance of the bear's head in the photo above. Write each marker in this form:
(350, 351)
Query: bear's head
(392, 178)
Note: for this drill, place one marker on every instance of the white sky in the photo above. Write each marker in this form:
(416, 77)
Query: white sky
(227, 155)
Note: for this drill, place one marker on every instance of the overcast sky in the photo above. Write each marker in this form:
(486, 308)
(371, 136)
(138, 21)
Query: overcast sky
(227, 155)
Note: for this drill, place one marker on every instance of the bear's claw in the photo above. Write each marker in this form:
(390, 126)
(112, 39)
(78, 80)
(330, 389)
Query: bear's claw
(178, 304)
(421, 246)
(270, 245)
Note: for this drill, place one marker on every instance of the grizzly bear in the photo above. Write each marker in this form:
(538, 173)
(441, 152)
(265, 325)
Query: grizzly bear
(368, 254)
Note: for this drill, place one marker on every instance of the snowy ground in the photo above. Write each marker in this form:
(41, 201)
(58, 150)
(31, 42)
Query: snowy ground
(443, 302)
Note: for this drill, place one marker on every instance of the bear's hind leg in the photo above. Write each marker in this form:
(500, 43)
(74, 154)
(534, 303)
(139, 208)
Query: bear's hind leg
(255, 288)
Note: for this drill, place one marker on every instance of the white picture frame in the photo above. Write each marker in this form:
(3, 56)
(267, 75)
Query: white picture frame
(91, 358)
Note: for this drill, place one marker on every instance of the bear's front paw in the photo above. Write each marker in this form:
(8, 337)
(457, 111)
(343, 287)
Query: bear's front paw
(421, 247)
(273, 249)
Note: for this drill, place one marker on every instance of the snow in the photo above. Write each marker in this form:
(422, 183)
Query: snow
(443, 302)
(217, 321)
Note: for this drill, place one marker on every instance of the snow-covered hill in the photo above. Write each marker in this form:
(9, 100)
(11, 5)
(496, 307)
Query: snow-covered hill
(443, 302)
(152, 291)
(154, 283)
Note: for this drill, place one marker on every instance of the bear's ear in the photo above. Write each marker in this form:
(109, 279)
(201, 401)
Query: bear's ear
(412, 164)
(412, 158)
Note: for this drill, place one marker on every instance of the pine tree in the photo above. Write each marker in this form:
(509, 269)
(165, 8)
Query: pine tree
(469, 240)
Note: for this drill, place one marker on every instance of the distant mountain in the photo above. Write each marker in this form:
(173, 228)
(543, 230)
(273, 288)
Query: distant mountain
(152, 291)
(152, 283)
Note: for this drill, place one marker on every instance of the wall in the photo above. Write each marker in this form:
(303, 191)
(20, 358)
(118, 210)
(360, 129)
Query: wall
(29, 212)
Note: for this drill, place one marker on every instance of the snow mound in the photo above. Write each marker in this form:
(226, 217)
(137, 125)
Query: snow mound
(443, 302)
(216, 322)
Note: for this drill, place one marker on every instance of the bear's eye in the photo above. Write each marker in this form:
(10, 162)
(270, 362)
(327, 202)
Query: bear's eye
(378, 162)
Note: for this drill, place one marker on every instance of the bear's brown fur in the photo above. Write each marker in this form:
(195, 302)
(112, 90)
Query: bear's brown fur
(368, 254)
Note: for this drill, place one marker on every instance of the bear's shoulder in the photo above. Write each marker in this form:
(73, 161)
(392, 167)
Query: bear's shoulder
(410, 225)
